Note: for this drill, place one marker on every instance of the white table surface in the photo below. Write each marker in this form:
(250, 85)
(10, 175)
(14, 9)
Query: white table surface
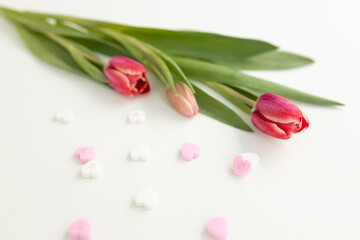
(304, 188)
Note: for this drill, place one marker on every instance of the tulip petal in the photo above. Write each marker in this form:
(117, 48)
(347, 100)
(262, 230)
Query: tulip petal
(278, 109)
(181, 105)
(142, 86)
(138, 83)
(304, 124)
(184, 101)
(127, 65)
(269, 128)
(118, 81)
(133, 78)
(188, 95)
(146, 89)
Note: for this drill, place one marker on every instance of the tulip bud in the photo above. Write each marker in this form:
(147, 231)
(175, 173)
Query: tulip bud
(127, 76)
(278, 117)
(184, 101)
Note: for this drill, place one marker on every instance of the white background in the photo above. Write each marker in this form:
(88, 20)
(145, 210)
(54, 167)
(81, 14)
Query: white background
(304, 188)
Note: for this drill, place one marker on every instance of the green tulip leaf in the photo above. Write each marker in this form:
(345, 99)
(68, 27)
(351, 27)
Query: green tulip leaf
(42, 26)
(84, 57)
(102, 46)
(69, 57)
(205, 71)
(200, 45)
(192, 44)
(274, 60)
(47, 50)
(219, 111)
(38, 23)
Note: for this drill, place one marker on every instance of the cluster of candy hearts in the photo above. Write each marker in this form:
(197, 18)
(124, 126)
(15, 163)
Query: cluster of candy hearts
(217, 228)
(243, 164)
(91, 168)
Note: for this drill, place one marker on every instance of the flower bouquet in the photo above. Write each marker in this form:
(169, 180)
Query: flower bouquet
(187, 62)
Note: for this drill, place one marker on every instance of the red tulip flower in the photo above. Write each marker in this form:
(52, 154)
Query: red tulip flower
(127, 76)
(278, 117)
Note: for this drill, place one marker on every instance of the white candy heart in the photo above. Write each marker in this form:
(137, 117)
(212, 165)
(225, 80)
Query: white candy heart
(251, 157)
(140, 152)
(137, 116)
(91, 169)
(146, 198)
(65, 116)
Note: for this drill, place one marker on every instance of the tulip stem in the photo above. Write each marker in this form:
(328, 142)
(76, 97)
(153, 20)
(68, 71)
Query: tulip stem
(71, 47)
(226, 90)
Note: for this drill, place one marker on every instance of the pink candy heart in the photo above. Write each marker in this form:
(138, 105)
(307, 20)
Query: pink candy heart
(241, 166)
(217, 228)
(80, 230)
(85, 154)
(189, 151)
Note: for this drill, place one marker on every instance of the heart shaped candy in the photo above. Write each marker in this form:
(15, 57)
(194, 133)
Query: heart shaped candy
(140, 152)
(189, 151)
(241, 166)
(65, 116)
(85, 154)
(80, 230)
(137, 116)
(217, 228)
(91, 169)
(146, 198)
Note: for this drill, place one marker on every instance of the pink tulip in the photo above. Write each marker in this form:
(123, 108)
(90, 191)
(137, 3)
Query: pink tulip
(127, 76)
(278, 117)
(184, 101)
